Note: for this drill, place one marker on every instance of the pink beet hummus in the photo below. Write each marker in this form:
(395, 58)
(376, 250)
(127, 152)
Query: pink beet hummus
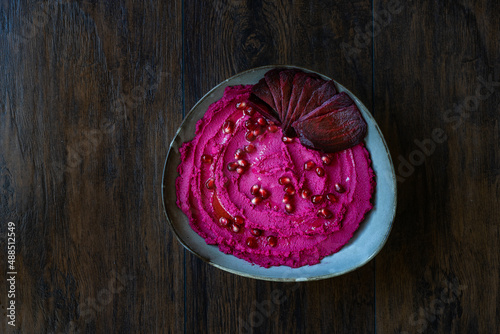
(222, 209)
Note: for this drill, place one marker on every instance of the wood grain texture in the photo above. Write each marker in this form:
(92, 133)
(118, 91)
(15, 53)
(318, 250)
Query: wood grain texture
(92, 92)
(90, 99)
(439, 272)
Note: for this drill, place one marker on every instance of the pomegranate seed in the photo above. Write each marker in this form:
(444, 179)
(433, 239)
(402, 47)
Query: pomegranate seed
(250, 124)
(228, 126)
(239, 220)
(206, 158)
(249, 111)
(256, 232)
(305, 193)
(250, 136)
(326, 159)
(240, 170)
(272, 128)
(235, 228)
(264, 193)
(316, 199)
(320, 171)
(289, 189)
(289, 208)
(272, 241)
(331, 198)
(210, 184)
(287, 199)
(243, 163)
(241, 105)
(325, 213)
(255, 190)
(284, 180)
(261, 121)
(232, 166)
(257, 132)
(250, 148)
(309, 165)
(256, 200)
(239, 153)
(339, 188)
(223, 221)
(251, 242)
(287, 140)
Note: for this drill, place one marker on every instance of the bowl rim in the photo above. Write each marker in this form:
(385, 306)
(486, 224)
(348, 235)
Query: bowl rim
(282, 279)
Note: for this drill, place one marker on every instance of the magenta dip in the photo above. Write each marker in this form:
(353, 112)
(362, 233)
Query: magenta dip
(274, 202)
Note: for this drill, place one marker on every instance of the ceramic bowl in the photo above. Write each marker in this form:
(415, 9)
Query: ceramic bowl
(367, 241)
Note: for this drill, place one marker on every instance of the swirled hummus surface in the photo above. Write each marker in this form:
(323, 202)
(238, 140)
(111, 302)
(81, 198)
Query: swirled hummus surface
(267, 198)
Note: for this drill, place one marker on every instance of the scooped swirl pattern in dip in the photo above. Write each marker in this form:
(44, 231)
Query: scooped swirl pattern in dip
(267, 198)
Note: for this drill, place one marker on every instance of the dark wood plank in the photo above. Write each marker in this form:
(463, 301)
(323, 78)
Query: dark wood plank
(91, 96)
(439, 271)
(223, 38)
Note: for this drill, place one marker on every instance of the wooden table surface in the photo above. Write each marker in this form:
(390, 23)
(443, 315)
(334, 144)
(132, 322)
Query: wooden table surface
(92, 92)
